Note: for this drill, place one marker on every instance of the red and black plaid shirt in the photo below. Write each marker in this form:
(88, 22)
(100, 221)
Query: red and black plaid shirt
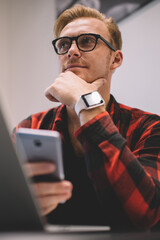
(122, 153)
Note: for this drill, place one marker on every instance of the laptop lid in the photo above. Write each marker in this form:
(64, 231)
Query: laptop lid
(18, 209)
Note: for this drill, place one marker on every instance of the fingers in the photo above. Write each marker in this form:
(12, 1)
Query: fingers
(50, 203)
(35, 169)
(49, 195)
(68, 87)
(48, 209)
(52, 188)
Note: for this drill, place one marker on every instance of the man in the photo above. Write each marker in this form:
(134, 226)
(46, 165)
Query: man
(111, 151)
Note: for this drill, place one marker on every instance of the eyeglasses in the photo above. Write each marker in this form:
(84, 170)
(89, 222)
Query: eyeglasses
(85, 42)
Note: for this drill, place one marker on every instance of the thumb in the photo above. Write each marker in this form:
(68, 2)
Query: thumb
(97, 84)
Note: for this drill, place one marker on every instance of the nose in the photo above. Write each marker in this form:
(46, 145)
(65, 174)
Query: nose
(74, 51)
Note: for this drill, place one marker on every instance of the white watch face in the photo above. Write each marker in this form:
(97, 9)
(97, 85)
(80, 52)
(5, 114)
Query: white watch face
(88, 101)
(92, 99)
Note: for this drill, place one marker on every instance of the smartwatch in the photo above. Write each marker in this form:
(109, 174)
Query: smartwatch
(89, 101)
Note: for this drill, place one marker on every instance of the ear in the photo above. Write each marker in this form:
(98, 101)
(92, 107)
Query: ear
(117, 59)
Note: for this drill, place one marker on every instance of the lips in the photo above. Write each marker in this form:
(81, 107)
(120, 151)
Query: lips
(74, 66)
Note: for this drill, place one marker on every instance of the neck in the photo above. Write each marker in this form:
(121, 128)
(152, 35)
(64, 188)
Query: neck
(105, 92)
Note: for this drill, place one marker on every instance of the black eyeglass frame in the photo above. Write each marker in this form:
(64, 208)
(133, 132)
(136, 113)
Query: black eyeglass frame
(97, 36)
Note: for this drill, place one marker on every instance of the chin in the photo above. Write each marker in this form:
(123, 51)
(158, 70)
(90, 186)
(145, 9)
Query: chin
(84, 77)
(80, 74)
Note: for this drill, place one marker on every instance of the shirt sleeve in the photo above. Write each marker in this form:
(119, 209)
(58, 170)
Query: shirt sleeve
(133, 175)
(35, 121)
(26, 123)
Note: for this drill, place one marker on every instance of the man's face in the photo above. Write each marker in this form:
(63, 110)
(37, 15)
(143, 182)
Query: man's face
(87, 65)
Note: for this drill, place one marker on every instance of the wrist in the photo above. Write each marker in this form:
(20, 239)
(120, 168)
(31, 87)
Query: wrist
(86, 115)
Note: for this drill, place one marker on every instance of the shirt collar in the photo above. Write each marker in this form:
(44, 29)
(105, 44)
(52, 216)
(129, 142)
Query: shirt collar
(113, 109)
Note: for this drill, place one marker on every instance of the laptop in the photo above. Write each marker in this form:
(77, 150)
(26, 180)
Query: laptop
(19, 210)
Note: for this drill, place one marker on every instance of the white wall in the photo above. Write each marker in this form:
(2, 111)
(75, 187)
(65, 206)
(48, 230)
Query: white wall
(4, 56)
(27, 55)
(28, 63)
(137, 82)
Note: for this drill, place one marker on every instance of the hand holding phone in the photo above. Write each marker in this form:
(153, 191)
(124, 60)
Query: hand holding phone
(41, 152)
(35, 146)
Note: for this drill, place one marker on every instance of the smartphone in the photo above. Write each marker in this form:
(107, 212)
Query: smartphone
(36, 145)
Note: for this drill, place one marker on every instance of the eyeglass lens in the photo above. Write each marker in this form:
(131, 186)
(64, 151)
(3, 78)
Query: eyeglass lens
(84, 42)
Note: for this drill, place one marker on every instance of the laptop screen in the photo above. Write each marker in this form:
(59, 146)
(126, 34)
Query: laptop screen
(18, 210)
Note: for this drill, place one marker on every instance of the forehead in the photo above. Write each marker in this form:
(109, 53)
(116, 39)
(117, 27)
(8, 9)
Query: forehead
(85, 25)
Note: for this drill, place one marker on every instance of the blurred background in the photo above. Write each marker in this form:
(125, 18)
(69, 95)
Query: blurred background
(28, 64)
(118, 9)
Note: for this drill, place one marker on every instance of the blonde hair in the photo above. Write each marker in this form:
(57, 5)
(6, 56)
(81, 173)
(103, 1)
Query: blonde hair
(79, 11)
